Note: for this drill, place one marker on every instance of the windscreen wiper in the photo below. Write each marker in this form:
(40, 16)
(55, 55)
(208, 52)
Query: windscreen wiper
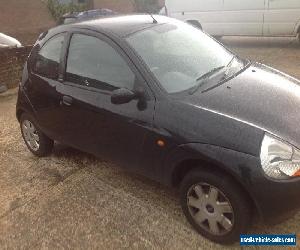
(228, 67)
(202, 79)
(231, 61)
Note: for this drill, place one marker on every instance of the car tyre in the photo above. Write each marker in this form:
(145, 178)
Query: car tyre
(220, 217)
(36, 141)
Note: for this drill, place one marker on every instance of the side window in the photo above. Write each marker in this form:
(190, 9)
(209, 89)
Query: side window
(48, 58)
(95, 63)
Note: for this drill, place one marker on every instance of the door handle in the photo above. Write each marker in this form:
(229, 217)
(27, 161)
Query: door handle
(66, 100)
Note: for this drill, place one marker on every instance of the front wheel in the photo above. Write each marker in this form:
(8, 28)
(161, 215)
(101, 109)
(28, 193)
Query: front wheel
(215, 206)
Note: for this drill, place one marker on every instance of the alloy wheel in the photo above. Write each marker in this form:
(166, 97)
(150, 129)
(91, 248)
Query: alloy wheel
(30, 135)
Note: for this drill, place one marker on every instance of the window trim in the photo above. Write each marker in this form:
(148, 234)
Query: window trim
(103, 37)
(102, 84)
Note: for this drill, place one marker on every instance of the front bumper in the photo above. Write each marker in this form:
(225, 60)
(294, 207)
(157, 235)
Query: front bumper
(276, 200)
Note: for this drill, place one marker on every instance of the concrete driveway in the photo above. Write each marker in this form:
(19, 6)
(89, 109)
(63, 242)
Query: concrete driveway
(72, 200)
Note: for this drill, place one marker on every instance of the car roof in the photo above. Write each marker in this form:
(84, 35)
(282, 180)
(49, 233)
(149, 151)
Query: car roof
(123, 25)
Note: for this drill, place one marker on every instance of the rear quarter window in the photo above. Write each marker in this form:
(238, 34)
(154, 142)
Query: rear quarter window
(47, 60)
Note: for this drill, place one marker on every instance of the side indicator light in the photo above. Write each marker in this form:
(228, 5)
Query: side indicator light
(161, 143)
(297, 173)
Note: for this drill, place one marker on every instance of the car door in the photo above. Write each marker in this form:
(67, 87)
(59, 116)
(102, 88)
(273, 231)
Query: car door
(43, 82)
(281, 17)
(243, 17)
(95, 67)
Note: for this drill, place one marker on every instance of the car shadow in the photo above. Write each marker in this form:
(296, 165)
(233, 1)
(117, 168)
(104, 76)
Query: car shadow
(154, 194)
(63, 152)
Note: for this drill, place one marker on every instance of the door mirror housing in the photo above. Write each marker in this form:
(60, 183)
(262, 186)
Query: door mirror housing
(123, 95)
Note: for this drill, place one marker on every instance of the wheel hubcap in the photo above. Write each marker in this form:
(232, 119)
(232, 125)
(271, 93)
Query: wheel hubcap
(30, 135)
(210, 209)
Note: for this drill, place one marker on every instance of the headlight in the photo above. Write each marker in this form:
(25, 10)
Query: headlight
(279, 160)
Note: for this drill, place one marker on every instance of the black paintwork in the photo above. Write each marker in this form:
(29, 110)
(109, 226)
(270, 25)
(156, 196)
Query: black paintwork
(221, 128)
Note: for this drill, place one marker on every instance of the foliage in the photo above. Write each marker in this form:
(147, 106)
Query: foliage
(57, 10)
(147, 6)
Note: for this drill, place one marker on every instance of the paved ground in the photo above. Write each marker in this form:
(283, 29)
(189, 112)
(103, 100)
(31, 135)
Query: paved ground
(72, 200)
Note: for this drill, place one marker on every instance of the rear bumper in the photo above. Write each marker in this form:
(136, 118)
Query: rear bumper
(23, 104)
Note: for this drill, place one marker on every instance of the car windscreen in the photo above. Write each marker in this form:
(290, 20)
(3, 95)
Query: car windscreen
(178, 54)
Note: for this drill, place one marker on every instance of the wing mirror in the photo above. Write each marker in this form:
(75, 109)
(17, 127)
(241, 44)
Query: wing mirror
(123, 95)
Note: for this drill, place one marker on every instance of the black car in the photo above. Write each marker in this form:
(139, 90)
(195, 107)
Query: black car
(167, 101)
(85, 15)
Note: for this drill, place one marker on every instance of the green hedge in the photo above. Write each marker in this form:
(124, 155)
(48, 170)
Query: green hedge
(57, 10)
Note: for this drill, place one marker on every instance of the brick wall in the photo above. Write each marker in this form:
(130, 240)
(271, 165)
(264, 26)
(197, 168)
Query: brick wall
(11, 65)
(24, 19)
(161, 3)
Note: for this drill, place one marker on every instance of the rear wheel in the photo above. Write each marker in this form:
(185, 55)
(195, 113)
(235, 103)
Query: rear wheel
(215, 206)
(37, 142)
